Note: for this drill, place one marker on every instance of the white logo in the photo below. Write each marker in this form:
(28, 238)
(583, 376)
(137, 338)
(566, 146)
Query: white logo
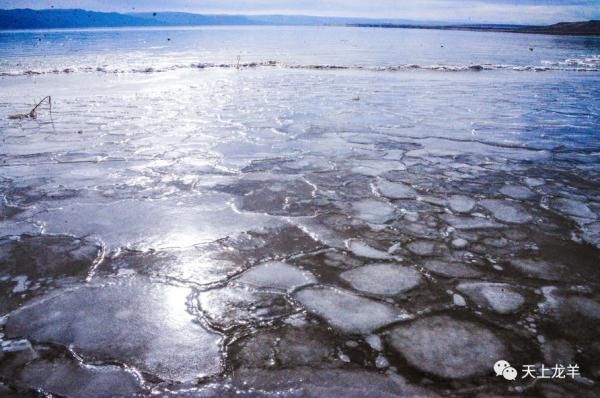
(510, 373)
(500, 366)
(503, 368)
(558, 371)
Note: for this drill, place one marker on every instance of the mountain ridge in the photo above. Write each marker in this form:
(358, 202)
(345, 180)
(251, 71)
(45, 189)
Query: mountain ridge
(18, 19)
(77, 18)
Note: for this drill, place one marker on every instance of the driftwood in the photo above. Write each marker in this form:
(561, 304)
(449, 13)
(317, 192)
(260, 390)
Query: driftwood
(32, 114)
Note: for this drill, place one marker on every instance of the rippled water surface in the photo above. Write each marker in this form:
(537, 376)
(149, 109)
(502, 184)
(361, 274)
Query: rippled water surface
(298, 211)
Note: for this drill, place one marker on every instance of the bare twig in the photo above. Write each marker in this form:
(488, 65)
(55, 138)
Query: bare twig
(32, 114)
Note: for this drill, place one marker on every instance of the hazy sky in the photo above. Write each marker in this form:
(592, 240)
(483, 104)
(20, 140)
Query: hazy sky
(511, 11)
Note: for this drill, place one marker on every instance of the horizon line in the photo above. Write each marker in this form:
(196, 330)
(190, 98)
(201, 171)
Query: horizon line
(416, 21)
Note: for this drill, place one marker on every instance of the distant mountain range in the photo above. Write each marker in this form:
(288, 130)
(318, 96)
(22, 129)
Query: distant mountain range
(54, 19)
(187, 19)
(65, 18)
(74, 18)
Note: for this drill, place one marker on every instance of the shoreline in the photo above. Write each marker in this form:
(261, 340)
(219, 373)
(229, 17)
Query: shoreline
(28, 19)
(538, 30)
(525, 30)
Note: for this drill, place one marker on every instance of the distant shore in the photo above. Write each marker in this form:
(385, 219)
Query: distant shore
(589, 28)
(26, 19)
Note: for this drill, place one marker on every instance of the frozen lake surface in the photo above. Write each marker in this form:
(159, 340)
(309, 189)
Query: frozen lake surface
(298, 211)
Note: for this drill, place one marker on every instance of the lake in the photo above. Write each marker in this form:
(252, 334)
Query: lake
(327, 211)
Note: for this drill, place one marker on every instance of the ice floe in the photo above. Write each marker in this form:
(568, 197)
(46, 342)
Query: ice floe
(361, 249)
(575, 315)
(374, 211)
(21, 284)
(467, 223)
(381, 362)
(506, 212)
(173, 223)
(238, 305)
(500, 297)
(447, 347)
(374, 168)
(534, 182)
(346, 311)
(47, 256)
(287, 347)
(451, 269)
(32, 264)
(339, 260)
(374, 342)
(276, 197)
(517, 192)
(539, 268)
(458, 300)
(276, 275)
(573, 208)
(499, 242)
(395, 190)
(591, 233)
(383, 279)
(145, 325)
(319, 232)
(459, 243)
(422, 247)
(69, 378)
(199, 265)
(461, 203)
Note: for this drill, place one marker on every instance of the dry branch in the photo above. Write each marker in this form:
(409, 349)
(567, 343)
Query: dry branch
(32, 114)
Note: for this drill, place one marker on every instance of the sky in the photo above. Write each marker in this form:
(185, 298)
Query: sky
(495, 11)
